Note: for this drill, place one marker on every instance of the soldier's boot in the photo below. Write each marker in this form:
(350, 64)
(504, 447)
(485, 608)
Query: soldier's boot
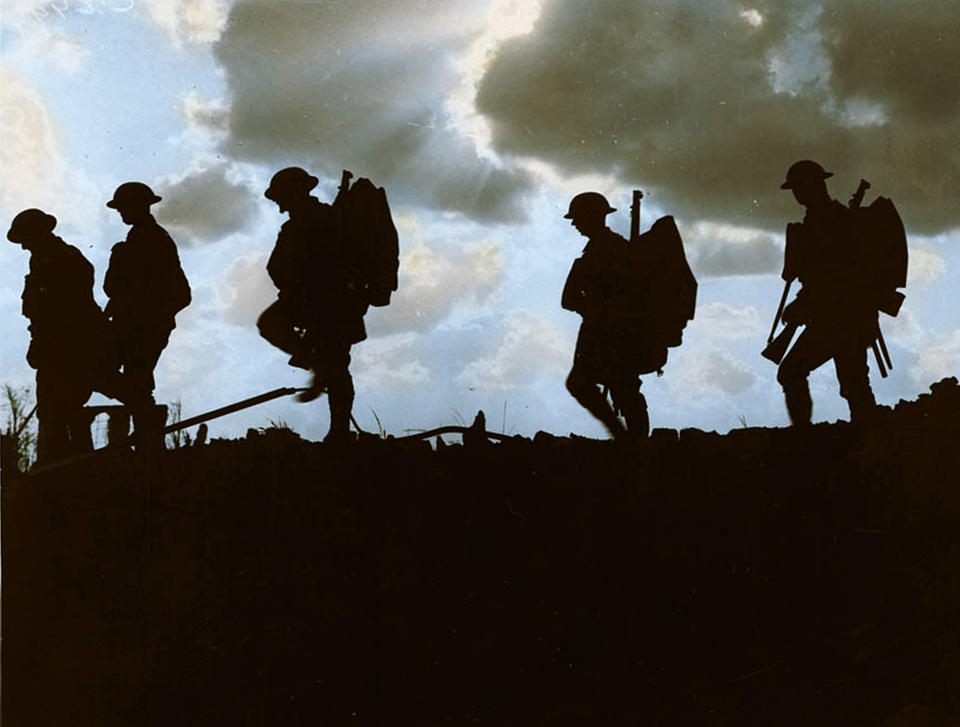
(590, 398)
(863, 407)
(799, 403)
(315, 388)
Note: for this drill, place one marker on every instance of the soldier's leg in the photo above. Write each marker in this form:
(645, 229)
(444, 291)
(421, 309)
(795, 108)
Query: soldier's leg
(853, 375)
(581, 384)
(78, 422)
(632, 404)
(587, 372)
(810, 351)
(276, 326)
(340, 392)
(52, 433)
(143, 351)
(60, 416)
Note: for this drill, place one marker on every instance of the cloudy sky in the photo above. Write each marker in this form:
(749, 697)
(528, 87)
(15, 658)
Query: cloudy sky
(481, 118)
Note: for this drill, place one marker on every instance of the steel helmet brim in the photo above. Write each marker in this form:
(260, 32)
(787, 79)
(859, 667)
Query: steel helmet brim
(133, 193)
(30, 222)
(588, 202)
(804, 169)
(290, 181)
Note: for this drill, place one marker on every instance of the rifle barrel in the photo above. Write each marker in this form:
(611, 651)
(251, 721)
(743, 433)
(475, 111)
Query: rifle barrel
(635, 216)
(783, 303)
(26, 419)
(229, 409)
(879, 357)
(883, 349)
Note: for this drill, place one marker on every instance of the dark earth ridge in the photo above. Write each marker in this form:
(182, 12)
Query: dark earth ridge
(766, 576)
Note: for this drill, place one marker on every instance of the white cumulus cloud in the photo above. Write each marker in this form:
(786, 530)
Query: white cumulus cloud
(725, 322)
(702, 375)
(530, 348)
(193, 21)
(246, 290)
(939, 359)
(392, 363)
(435, 278)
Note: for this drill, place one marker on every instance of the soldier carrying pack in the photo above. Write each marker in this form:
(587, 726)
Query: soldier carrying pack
(635, 299)
(880, 244)
(330, 262)
(850, 261)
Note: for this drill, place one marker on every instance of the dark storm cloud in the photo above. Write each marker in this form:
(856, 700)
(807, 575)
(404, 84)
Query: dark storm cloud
(205, 205)
(905, 53)
(709, 103)
(360, 86)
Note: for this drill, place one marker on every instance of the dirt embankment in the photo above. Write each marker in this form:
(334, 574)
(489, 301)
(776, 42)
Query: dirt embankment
(762, 577)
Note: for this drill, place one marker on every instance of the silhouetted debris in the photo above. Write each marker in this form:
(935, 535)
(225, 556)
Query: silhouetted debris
(476, 435)
(664, 436)
(689, 579)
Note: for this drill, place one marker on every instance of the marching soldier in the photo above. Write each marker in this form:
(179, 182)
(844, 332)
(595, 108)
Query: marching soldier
(147, 288)
(606, 354)
(835, 303)
(68, 335)
(318, 314)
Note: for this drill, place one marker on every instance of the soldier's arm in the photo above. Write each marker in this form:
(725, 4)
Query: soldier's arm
(176, 288)
(793, 252)
(572, 297)
(29, 299)
(283, 267)
(115, 277)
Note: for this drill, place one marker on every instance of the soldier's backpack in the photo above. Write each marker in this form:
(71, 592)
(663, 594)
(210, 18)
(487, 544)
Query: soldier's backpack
(883, 241)
(366, 230)
(658, 292)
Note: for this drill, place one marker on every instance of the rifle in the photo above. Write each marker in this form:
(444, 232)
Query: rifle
(777, 347)
(344, 187)
(635, 216)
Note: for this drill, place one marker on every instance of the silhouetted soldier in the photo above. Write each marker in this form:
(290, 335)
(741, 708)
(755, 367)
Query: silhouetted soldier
(319, 310)
(835, 304)
(606, 353)
(147, 288)
(68, 335)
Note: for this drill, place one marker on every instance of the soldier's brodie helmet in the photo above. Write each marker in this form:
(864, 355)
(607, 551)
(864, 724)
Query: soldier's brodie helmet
(132, 193)
(804, 171)
(29, 223)
(292, 180)
(588, 203)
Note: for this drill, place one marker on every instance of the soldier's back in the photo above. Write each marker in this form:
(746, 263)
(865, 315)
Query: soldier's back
(145, 279)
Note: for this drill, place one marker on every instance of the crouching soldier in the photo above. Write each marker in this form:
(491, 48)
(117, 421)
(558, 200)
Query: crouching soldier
(318, 314)
(147, 288)
(69, 339)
